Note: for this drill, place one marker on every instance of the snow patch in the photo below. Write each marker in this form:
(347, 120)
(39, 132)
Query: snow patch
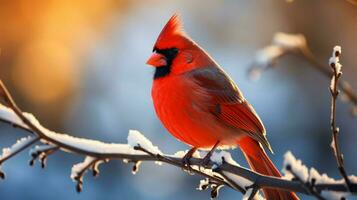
(78, 168)
(135, 138)
(89, 145)
(289, 41)
(329, 195)
(223, 156)
(281, 44)
(304, 174)
(296, 166)
(181, 154)
(8, 114)
(203, 184)
(16, 147)
(242, 182)
(268, 54)
(337, 50)
(334, 60)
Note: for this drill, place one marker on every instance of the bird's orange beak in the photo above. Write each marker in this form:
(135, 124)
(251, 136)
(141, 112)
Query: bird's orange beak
(157, 60)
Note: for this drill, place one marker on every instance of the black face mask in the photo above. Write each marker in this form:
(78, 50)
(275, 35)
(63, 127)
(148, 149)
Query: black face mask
(170, 54)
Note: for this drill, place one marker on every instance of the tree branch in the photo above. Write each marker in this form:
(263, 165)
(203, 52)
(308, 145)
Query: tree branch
(225, 173)
(336, 68)
(343, 85)
(295, 44)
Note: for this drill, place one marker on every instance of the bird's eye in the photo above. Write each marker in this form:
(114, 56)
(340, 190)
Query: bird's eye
(169, 53)
(172, 52)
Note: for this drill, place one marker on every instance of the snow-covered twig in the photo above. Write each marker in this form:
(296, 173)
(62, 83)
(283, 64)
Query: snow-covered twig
(295, 44)
(282, 44)
(336, 68)
(42, 152)
(294, 169)
(78, 171)
(17, 147)
(222, 170)
(310, 178)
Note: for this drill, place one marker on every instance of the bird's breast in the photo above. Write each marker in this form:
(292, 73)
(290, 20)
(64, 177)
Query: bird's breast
(183, 108)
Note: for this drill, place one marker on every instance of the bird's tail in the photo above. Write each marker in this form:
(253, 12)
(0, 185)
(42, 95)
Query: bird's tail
(259, 161)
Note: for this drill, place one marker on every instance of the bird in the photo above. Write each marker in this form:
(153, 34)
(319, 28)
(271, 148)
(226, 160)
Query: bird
(200, 105)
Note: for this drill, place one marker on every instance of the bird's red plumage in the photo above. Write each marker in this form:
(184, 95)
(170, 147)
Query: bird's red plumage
(199, 104)
(172, 34)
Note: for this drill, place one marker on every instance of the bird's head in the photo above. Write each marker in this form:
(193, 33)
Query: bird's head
(175, 52)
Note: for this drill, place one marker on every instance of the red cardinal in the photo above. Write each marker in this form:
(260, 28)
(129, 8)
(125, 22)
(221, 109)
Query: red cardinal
(201, 106)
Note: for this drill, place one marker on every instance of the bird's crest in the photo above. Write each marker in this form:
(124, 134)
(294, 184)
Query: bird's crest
(173, 26)
(172, 30)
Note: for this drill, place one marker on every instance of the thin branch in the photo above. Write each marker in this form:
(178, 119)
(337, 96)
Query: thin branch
(42, 152)
(29, 142)
(343, 85)
(78, 176)
(295, 44)
(336, 68)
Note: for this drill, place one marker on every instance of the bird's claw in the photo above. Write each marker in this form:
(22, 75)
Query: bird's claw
(206, 160)
(186, 164)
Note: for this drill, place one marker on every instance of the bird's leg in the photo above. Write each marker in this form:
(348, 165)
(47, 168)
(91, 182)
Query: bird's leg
(207, 158)
(187, 157)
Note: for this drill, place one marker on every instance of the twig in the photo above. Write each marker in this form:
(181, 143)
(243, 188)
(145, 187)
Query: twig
(295, 44)
(42, 153)
(27, 144)
(79, 175)
(343, 85)
(336, 68)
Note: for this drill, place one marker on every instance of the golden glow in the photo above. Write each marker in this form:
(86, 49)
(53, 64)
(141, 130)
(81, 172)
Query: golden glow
(46, 70)
(49, 39)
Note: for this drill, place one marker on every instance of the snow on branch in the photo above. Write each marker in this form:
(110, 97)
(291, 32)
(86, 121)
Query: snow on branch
(20, 144)
(295, 44)
(336, 68)
(295, 169)
(135, 138)
(221, 171)
(282, 44)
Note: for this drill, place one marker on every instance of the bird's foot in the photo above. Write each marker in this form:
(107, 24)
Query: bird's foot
(207, 159)
(186, 165)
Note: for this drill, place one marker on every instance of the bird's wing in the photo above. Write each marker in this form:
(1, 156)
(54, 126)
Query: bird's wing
(227, 103)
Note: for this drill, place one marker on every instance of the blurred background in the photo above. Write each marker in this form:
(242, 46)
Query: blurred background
(79, 66)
